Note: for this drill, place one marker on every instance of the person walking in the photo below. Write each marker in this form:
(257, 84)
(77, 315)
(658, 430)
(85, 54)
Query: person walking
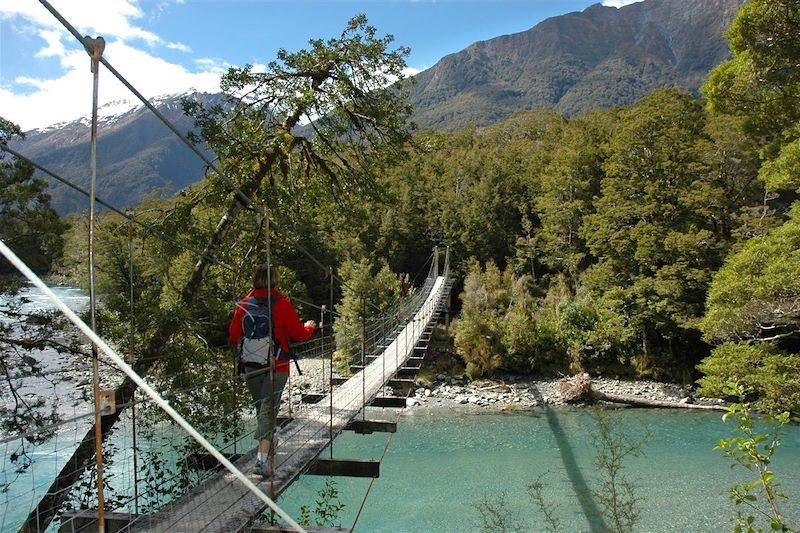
(264, 325)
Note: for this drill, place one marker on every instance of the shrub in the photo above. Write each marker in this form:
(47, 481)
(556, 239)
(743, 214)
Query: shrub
(772, 379)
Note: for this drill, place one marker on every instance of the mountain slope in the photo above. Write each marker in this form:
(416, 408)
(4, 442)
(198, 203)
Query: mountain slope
(601, 57)
(136, 155)
(597, 58)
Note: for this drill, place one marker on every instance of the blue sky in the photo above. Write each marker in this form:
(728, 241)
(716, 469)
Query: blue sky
(169, 46)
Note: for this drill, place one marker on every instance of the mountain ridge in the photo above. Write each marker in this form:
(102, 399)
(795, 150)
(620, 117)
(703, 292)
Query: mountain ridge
(573, 63)
(597, 58)
(137, 154)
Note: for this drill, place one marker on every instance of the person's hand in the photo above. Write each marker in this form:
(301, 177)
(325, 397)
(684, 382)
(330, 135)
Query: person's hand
(310, 323)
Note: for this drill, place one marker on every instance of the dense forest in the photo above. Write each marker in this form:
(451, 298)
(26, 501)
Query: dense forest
(659, 240)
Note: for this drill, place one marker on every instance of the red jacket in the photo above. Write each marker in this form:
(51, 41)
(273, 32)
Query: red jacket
(288, 327)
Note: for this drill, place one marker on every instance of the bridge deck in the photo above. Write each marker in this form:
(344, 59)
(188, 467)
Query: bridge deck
(223, 504)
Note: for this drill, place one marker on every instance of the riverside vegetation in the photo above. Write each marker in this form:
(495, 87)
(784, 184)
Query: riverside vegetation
(657, 241)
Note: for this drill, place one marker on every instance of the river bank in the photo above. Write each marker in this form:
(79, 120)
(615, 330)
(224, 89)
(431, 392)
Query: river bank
(506, 393)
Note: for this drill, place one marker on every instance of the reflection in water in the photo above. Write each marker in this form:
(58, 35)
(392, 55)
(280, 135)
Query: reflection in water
(582, 491)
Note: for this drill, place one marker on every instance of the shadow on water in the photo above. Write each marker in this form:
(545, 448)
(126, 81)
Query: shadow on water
(593, 514)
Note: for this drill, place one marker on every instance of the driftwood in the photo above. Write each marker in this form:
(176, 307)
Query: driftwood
(575, 388)
(644, 402)
(578, 388)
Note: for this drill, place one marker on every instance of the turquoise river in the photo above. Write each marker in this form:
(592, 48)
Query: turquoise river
(441, 464)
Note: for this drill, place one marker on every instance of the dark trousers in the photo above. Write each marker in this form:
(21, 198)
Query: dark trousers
(266, 388)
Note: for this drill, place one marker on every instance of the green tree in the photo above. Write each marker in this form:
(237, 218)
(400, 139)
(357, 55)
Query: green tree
(761, 82)
(746, 209)
(479, 330)
(33, 231)
(756, 296)
(28, 224)
(366, 292)
(568, 185)
(653, 231)
(342, 85)
(753, 301)
(754, 451)
(754, 310)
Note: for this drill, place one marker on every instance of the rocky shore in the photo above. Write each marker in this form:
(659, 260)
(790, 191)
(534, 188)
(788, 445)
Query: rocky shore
(507, 393)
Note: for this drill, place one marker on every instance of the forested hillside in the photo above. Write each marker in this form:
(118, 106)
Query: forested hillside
(595, 59)
(137, 155)
(637, 241)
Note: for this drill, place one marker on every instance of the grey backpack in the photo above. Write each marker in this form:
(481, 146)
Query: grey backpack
(256, 345)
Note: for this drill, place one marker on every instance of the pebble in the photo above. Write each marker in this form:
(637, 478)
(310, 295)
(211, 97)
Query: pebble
(519, 391)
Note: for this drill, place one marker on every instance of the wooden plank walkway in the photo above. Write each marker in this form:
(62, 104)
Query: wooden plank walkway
(223, 504)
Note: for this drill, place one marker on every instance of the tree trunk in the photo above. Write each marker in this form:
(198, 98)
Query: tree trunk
(644, 402)
(39, 518)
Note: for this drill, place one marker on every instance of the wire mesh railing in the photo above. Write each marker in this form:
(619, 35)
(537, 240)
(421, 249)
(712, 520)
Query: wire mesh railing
(164, 451)
(164, 476)
(307, 434)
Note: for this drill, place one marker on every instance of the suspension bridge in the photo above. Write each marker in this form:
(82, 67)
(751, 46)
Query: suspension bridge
(394, 342)
(222, 504)
(64, 463)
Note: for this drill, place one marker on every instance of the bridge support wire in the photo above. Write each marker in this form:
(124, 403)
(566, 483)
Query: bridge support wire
(122, 365)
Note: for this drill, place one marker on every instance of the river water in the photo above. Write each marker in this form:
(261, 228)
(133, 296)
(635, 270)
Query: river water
(442, 463)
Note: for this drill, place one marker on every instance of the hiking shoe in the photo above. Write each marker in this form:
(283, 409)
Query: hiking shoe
(262, 467)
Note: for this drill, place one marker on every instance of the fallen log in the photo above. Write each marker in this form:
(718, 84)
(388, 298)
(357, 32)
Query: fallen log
(637, 401)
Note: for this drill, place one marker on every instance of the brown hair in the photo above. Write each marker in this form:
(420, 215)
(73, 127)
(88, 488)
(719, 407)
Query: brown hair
(261, 279)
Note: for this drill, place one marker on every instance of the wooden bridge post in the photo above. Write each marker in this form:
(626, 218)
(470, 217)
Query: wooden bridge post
(95, 47)
(333, 348)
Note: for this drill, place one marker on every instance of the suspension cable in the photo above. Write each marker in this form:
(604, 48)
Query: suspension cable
(22, 267)
(246, 200)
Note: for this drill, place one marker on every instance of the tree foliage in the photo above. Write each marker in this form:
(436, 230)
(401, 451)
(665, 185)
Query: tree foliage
(28, 336)
(28, 224)
(754, 450)
(367, 291)
(755, 298)
(327, 109)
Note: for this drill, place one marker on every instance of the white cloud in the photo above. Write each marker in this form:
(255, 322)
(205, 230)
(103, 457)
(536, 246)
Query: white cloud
(152, 76)
(111, 18)
(27, 80)
(619, 3)
(212, 65)
(54, 46)
(179, 47)
(67, 95)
